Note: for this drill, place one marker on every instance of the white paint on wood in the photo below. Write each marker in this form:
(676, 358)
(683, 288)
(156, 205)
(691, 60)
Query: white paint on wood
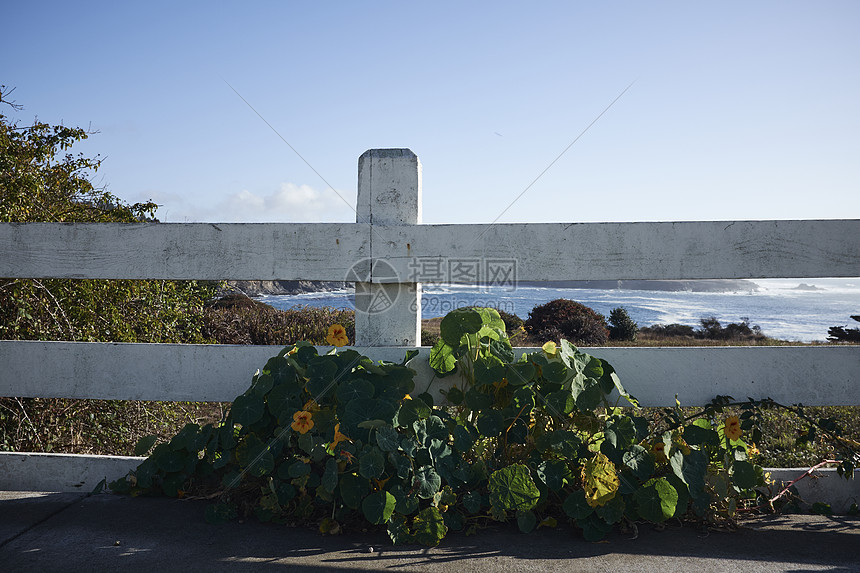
(789, 374)
(61, 472)
(327, 251)
(824, 485)
(612, 251)
(204, 251)
(389, 193)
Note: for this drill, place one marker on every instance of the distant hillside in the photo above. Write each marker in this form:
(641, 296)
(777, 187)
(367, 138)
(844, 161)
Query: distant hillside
(711, 285)
(257, 288)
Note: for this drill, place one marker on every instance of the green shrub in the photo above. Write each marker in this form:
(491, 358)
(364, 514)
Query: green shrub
(621, 326)
(710, 328)
(238, 319)
(668, 331)
(563, 318)
(339, 441)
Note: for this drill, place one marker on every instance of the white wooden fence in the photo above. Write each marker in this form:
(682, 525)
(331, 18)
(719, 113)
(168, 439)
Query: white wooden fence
(379, 251)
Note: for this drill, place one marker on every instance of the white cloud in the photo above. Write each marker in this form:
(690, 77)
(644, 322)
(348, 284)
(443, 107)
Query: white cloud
(290, 203)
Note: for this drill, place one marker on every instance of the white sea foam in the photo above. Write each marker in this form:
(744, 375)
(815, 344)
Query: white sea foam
(779, 308)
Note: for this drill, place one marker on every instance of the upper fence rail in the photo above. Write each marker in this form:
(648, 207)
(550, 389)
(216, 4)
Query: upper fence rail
(330, 251)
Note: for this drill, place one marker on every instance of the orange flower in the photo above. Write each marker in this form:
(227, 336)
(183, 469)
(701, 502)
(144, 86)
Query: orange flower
(311, 406)
(302, 422)
(659, 451)
(732, 428)
(337, 335)
(338, 437)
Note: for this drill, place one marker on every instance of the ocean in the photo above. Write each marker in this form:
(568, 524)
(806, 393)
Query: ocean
(778, 307)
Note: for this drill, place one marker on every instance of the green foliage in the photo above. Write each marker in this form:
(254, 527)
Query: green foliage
(710, 328)
(238, 319)
(562, 318)
(338, 439)
(621, 326)
(40, 181)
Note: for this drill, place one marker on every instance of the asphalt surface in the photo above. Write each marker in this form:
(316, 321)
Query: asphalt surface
(72, 532)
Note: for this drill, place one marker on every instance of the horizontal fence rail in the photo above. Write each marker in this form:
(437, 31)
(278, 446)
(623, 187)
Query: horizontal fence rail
(329, 251)
(218, 373)
(201, 251)
(388, 229)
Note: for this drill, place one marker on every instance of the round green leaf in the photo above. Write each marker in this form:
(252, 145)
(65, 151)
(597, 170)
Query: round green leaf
(696, 435)
(478, 400)
(442, 358)
(512, 488)
(526, 521)
(454, 396)
(520, 373)
(491, 423)
(352, 489)
(357, 388)
(656, 500)
(457, 323)
(411, 411)
(429, 527)
(144, 445)
(471, 502)
(744, 475)
(371, 464)
(407, 502)
(378, 507)
(594, 528)
(553, 474)
(387, 438)
(247, 409)
(576, 507)
(427, 481)
(171, 461)
(640, 460)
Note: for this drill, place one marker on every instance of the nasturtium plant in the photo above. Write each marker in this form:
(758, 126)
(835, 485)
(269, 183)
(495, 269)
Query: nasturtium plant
(534, 437)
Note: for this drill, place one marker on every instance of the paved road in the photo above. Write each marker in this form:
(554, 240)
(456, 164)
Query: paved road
(70, 532)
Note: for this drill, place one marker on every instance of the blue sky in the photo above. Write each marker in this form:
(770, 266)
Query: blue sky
(739, 110)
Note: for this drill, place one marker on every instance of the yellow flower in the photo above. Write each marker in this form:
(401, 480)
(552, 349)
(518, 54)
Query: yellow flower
(407, 397)
(302, 422)
(550, 349)
(337, 335)
(732, 428)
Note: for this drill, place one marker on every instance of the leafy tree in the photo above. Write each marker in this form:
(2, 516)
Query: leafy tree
(621, 326)
(40, 181)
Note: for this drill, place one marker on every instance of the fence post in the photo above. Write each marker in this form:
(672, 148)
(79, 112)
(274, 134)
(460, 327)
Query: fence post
(387, 307)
